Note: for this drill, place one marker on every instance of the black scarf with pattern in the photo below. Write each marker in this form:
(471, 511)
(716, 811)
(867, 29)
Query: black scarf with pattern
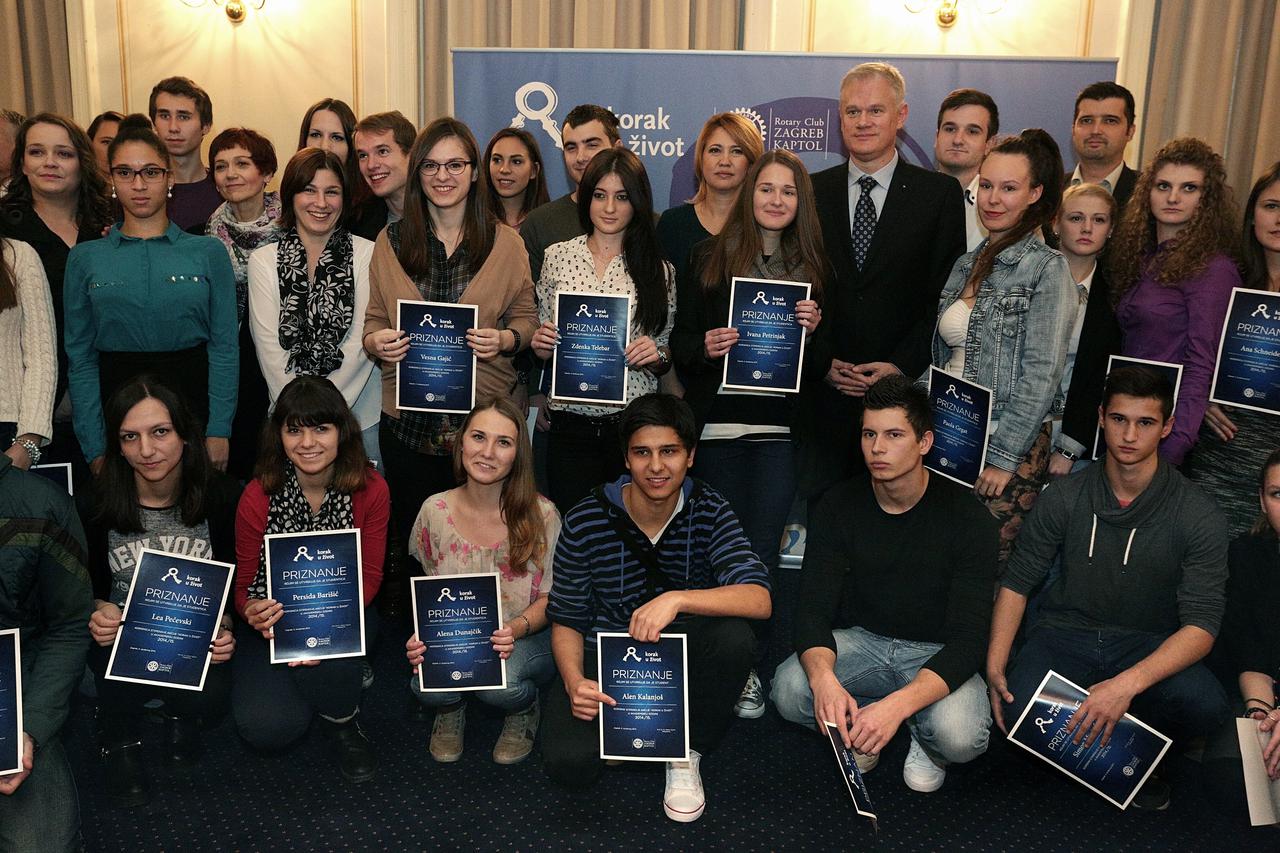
(316, 316)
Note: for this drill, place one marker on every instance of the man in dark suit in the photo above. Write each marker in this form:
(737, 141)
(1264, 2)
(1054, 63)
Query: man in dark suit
(1102, 127)
(892, 232)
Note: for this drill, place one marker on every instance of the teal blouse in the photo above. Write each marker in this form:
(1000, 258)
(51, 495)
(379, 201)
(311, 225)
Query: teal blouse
(161, 294)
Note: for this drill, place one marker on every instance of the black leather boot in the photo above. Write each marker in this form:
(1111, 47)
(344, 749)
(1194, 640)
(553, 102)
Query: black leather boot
(351, 749)
(182, 739)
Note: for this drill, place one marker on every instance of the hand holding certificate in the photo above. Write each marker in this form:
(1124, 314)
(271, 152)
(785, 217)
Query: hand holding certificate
(589, 364)
(455, 617)
(439, 372)
(1248, 367)
(853, 779)
(316, 581)
(769, 352)
(11, 736)
(649, 684)
(961, 427)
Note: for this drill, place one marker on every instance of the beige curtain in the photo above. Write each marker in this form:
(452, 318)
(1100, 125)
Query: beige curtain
(1215, 74)
(36, 69)
(652, 24)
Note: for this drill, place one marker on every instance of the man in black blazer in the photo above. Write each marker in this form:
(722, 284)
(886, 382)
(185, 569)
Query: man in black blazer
(881, 308)
(1101, 128)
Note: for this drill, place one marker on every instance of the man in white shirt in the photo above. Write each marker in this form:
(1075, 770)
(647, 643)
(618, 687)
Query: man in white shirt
(968, 121)
(1101, 128)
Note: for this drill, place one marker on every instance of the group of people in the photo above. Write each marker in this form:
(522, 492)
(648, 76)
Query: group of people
(217, 362)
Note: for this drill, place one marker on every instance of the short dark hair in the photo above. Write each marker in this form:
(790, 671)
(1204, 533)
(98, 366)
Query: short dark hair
(898, 392)
(587, 113)
(102, 118)
(261, 151)
(1138, 381)
(393, 122)
(972, 98)
(183, 87)
(137, 128)
(300, 171)
(660, 410)
(1102, 90)
(311, 401)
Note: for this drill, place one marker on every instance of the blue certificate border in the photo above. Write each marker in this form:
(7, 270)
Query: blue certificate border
(16, 732)
(451, 306)
(128, 604)
(555, 355)
(934, 373)
(1124, 360)
(804, 339)
(415, 583)
(684, 694)
(359, 591)
(1216, 396)
(1129, 717)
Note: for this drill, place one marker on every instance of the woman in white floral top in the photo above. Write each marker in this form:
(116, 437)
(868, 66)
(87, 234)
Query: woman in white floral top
(495, 521)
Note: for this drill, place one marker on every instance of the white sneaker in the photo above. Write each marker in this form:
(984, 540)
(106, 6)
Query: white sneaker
(919, 771)
(750, 704)
(684, 798)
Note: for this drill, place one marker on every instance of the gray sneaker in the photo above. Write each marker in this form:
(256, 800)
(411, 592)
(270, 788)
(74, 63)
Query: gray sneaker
(750, 704)
(518, 731)
(446, 733)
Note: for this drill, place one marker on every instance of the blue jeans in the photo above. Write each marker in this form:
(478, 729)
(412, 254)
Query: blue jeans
(529, 667)
(44, 813)
(1186, 704)
(371, 449)
(952, 730)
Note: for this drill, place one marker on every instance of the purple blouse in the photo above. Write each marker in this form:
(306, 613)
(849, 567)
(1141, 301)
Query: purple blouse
(1181, 324)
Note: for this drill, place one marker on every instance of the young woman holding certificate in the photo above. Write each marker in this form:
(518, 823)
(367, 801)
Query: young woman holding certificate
(308, 292)
(312, 476)
(447, 248)
(744, 448)
(150, 297)
(495, 521)
(158, 491)
(1234, 441)
(1173, 265)
(1004, 320)
(618, 255)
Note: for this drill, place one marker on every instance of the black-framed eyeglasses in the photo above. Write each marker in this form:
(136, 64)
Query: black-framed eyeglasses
(150, 174)
(453, 167)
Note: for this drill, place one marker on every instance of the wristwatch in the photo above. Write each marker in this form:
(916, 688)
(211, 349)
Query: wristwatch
(33, 449)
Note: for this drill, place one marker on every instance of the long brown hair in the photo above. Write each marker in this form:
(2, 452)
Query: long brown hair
(310, 401)
(478, 225)
(1255, 257)
(738, 244)
(535, 194)
(1045, 161)
(358, 188)
(526, 532)
(1211, 231)
(93, 211)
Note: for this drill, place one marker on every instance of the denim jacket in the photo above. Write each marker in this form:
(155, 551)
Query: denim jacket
(1017, 341)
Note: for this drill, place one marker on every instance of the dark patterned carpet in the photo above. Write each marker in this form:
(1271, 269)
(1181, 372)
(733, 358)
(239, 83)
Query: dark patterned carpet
(771, 786)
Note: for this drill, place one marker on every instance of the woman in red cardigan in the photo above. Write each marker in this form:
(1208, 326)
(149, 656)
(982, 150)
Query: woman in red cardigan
(311, 475)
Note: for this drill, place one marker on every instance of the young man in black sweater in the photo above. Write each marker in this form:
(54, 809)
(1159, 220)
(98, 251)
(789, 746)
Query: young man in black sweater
(895, 602)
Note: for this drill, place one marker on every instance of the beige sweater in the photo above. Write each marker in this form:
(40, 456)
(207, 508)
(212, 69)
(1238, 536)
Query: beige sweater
(502, 289)
(28, 350)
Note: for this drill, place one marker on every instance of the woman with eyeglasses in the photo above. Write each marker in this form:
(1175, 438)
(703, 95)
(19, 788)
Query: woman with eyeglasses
(150, 298)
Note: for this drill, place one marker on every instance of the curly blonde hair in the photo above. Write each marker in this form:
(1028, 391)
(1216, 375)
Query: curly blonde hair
(1211, 231)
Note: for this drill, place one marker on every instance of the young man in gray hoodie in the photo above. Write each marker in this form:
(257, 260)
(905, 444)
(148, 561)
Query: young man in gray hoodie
(1141, 593)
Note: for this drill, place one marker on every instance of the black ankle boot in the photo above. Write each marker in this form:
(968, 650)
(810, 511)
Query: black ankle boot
(182, 739)
(352, 750)
(123, 766)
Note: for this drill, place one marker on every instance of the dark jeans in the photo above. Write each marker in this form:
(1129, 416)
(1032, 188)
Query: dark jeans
(123, 699)
(273, 704)
(1187, 704)
(251, 410)
(720, 650)
(582, 453)
(43, 815)
(412, 477)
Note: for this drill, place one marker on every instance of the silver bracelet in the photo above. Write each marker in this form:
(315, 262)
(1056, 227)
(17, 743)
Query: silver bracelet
(33, 449)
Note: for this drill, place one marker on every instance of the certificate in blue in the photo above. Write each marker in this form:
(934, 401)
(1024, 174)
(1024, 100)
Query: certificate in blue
(1173, 372)
(589, 365)
(58, 472)
(650, 683)
(770, 347)
(961, 421)
(853, 778)
(1114, 772)
(439, 372)
(11, 743)
(1248, 368)
(170, 620)
(454, 616)
(317, 577)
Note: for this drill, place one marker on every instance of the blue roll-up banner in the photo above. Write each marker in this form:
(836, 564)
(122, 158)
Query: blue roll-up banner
(589, 364)
(1114, 770)
(170, 620)
(650, 684)
(663, 98)
(438, 374)
(317, 577)
(10, 701)
(961, 427)
(455, 616)
(770, 348)
(1248, 368)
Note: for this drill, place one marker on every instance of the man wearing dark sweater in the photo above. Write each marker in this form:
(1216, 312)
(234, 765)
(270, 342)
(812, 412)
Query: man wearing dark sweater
(895, 601)
(1140, 596)
(655, 551)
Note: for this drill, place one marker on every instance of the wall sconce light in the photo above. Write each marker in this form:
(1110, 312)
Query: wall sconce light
(236, 9)
(949, 10)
